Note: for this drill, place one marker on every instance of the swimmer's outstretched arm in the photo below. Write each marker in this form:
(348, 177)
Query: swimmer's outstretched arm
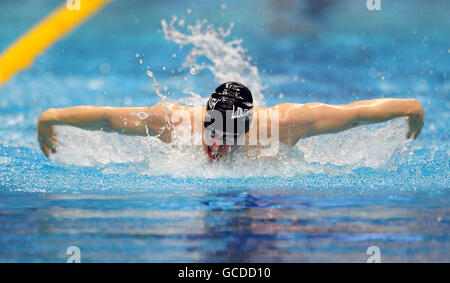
(311, 119)
(140, 121)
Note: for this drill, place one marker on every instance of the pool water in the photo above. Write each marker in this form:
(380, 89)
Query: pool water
(136, 199)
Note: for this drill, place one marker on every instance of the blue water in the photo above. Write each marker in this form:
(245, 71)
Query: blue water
(371, 187)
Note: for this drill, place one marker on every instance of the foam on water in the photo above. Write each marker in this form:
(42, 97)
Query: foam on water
(331, 154)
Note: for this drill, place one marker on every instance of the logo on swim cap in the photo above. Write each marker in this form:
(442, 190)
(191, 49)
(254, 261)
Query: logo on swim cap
(238, 112)
(234, 103)
(212, 102)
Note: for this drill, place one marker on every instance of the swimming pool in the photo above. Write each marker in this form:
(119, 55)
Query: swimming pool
(136, 199)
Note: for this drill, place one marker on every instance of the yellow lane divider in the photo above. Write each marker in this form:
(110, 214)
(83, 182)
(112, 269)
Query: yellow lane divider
(59, 23)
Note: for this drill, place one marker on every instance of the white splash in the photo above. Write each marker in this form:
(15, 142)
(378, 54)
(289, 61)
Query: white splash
(330, 154)
(372, 146)
(228, 60)
(193, 100)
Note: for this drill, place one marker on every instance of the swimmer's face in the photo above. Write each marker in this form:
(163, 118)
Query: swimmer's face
(217, 149)
(230, 104)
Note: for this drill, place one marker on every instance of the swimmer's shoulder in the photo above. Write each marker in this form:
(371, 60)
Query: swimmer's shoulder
(281, 106)
(171, 107)
(285, 109)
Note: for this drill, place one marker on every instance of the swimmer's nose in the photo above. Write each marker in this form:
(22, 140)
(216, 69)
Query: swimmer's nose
(214, 146)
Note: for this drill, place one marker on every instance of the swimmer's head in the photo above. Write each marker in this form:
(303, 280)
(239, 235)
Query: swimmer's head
(229, 113)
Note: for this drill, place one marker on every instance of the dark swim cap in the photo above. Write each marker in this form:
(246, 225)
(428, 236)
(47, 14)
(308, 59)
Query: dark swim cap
(234, 102)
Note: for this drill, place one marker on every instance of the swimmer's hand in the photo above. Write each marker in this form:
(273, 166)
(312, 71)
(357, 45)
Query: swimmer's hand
(46, 135)
(415, 120)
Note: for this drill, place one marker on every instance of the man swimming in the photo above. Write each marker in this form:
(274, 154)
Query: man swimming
(229, 120)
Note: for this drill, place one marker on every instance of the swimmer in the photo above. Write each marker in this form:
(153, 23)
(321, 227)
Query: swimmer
(228, 117)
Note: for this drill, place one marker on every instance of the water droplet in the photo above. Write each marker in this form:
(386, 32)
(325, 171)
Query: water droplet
(137, 55)
(193, 71)
(150, 74)
(189, 10)
(140, 61)
(142, 115)
(174, 55)
(164, 68)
